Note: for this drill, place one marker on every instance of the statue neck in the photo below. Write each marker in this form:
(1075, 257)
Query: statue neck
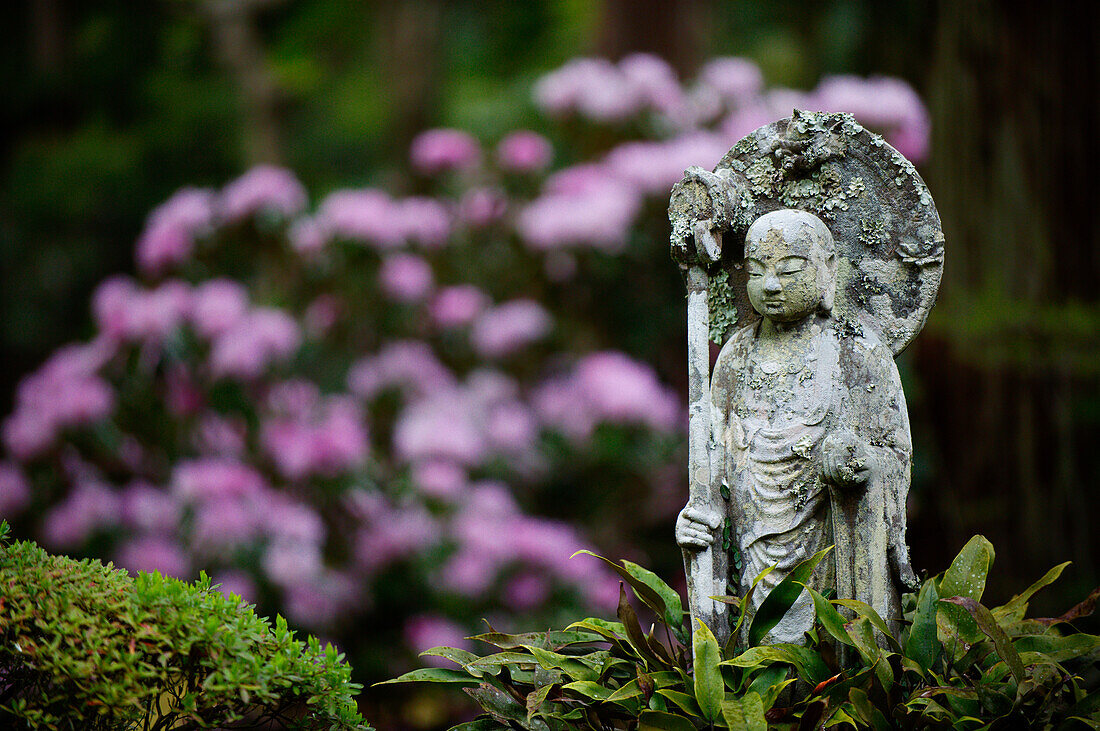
(795, 329)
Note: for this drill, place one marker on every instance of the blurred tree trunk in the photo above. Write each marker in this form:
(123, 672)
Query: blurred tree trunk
(1013, 97)
(238, 46)
(678, 32)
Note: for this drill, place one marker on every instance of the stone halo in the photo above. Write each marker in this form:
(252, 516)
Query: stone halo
(882, 217)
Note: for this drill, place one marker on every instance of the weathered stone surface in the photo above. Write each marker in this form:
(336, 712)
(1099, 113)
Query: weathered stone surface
(804, 439)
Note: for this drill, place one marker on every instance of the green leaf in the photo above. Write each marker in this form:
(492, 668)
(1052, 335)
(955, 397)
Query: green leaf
(863, 635)
(1056, 648)
(866, 610)
(537, 697)
(479, 724)
(455, 655)
(866, 711)
(829, 617)
(433, 675)
(498, 704)
(634, 631)
(686, 702)
(492, 664)
(662, 721)
(571, 666)
(1001, 641)
(589, 689)
(1016, 607)
(769, 683)
(554, 640)
(674, 608)
(644, 591)
(967, 574)
(745, 713)
(923, 646)
(782, 597)
(806, 661)
(709, 687)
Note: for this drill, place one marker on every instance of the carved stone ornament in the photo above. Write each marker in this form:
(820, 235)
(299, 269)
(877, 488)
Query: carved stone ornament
(813, 253)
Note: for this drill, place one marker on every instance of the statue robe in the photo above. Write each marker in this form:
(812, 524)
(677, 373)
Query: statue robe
(781, 509)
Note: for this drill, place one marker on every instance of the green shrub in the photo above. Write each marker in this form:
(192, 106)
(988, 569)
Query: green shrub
(85, 646)
(956, 665)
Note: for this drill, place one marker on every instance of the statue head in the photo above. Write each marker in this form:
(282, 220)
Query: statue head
(791, 263)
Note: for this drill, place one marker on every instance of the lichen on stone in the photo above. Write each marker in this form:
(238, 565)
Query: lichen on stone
(723, 307)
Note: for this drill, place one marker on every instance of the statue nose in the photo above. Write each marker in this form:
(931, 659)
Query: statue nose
(771, 283)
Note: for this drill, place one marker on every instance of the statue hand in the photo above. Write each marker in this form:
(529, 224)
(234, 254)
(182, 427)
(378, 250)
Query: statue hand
(695, 526)
(846, 460)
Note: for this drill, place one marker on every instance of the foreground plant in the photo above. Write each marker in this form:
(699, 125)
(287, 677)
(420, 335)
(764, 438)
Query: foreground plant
(83, 646)
(957, 664)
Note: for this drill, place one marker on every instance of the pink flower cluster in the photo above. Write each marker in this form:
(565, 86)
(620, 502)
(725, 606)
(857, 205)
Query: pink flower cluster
(603, 91)
(607, 387)
(305, 434)
(263, 189)
(67, 391)
(438, 150)
(171, 230)
(372, 217)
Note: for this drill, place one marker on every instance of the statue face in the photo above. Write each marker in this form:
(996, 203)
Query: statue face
(785, 282)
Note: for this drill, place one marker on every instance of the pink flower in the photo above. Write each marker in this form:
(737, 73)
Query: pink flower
(392, 534)
(526, 591)
(216, 435)
(321, 315)
(15, 491)
(737, 80)
(442, 149)
(307, 236)
(236, 582)
(125, 312)
(425, 631)
(287, 563)
(405, 277)
(439, 478)
(151, 553)
(368, 216)
(584, 206)
(508, 327)
(149, 509)
(409, 365)
(654, 167)
(654, 81)
(511, 427)
(171, 229)
(480, 207)
(264, 188)
(112, 303)
(469, 573)
(264, 336)
(306, 435)
(217, 306)
(215, 477)
(886, 104)
(321, 600)
(224, 524)
(593, 87)
(458, 305)
(524, 151)
(425, 221)
(88, 508)
(439, 426)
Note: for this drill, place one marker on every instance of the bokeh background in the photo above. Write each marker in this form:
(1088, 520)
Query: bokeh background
(109, 108)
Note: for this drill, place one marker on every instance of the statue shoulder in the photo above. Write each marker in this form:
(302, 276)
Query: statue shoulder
(735, 348)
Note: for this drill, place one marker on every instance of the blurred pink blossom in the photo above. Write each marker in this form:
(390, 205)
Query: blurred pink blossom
(506, 328)
(149, 509)
(654, 81)
(480, 207)
(607, 386)
(326, 440)
(457, 305)
(654, 167)
(425, 631)
(524, 151)
(409, 365)
(182, 395)
(217, 306)
(220, 435)
(593, 87)
(441, 426)
(393, 533)
(124, 311)
(886, 104)
(289, 562)
(65, 391)
(424, 220)
(263, 189)
(15, 491)
(737, 80)
(323, 598)
(171, 230)
(154, 553)
(368, 216)
(321, 315)
(88, 508)
(263, 336)
(307, 236)
(582, 206)
(215, 477)
(443, 149)
(222, 524)
(526, 591)
(236, 582)
(405, 277)
(439, 478)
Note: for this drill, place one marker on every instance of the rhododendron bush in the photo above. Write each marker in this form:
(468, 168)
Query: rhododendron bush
(390, 413)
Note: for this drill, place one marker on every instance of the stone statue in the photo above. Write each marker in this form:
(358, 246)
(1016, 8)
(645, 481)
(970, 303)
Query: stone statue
(802, 439)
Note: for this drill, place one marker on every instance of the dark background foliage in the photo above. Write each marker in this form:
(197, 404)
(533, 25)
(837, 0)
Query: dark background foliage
(110, 106)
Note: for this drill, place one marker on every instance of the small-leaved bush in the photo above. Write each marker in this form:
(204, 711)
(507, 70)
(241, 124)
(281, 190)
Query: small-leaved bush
(85, 646)
(956, 664)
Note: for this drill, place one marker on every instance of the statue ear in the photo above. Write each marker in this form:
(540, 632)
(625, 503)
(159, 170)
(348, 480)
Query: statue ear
(829, 290)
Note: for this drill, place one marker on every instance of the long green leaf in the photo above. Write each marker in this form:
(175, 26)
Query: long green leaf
(634, 631)
(685, 701)
(1016, 607)
(745, 713)
(663, 721)
(864, 609)
(829, 617)
(863, 635)
(782, 597)
(589, 689)
(709, 686)
(644, 591)
(554, 640)
(571, 666)
(967, 574)
(923, 645)
(1001, 641)
(674, 607)
(1057, 648)
(433, 675)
